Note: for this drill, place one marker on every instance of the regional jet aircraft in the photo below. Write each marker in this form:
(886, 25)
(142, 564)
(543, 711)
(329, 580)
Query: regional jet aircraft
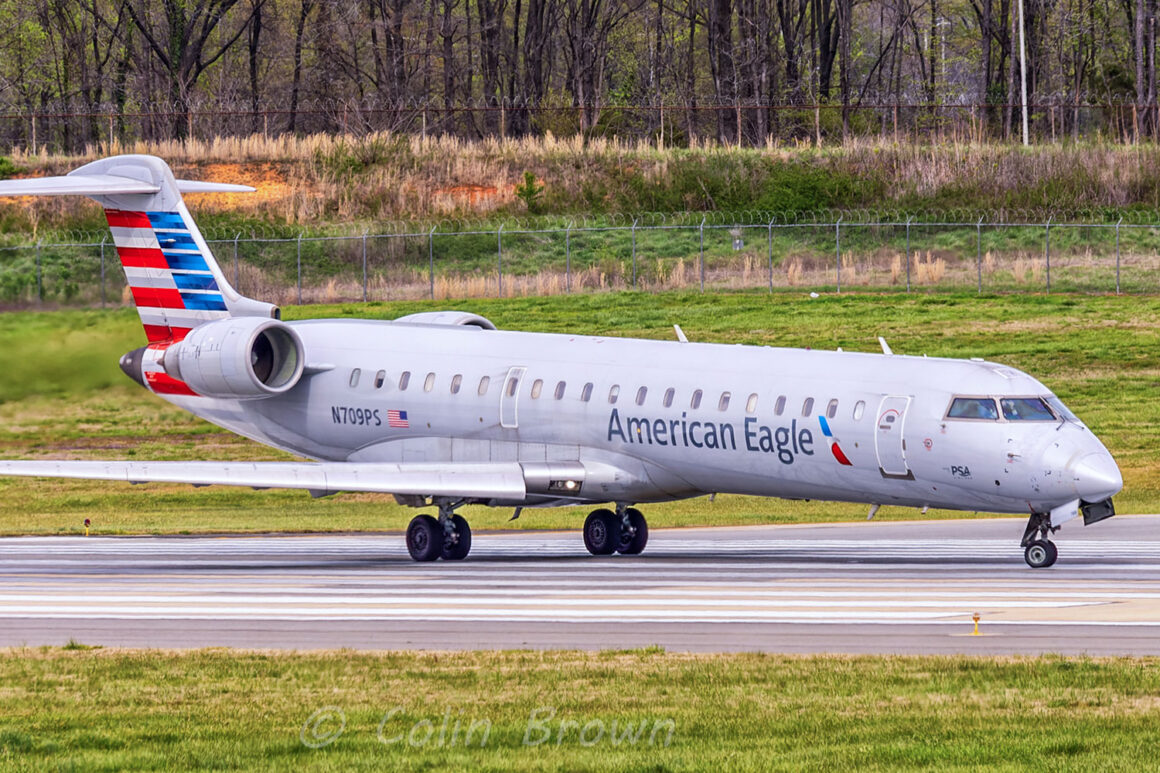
(441, 409)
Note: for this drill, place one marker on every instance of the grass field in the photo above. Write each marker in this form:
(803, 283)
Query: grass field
(63, 396)
(77, 708)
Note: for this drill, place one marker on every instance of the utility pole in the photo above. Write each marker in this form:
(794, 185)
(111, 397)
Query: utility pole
(1023, 72)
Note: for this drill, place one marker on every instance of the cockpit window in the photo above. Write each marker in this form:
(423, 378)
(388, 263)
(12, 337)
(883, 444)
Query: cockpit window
(1061, 409)
(1026, 409)
(973, 408)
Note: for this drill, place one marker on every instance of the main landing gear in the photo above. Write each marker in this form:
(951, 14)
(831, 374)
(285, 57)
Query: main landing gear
(1038, 550)
(606, 532)
(448, 538)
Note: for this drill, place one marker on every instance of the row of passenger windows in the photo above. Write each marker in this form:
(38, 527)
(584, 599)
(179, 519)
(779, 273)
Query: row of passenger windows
(667, 400)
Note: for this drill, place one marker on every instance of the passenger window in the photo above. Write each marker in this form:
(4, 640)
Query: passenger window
(723, 403)
(808, 406)
(751, 404)
(973, 408)
(537, 387)
(832, 409)
(586, 392)
(670, 393)
(859, 410)
(779, 406)
(640, 395)
(695, 403)
(1025, 409)
(456, 383)
(560, 391)
(484, 383)
(614, 393)
(429, 382)
(380, 377)
(354, 374)
(404, 379)
(512, 385)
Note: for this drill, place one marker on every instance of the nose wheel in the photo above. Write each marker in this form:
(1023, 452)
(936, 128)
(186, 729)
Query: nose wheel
(1038, 550)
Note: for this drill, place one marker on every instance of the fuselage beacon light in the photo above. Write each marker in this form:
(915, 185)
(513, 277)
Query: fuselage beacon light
(442, 409)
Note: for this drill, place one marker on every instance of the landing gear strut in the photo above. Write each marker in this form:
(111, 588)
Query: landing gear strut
(1038, 550)
(448, 538)
(606, 532)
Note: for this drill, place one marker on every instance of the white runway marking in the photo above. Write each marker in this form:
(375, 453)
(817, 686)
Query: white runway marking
(693, 581)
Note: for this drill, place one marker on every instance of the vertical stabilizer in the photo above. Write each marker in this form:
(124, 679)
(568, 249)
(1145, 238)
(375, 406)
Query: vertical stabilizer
(175, 280)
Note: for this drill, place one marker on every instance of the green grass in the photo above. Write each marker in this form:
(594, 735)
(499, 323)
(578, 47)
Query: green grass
(141, 710)
(62, 395)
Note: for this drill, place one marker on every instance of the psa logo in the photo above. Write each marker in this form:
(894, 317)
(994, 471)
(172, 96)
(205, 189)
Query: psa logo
(960, 471)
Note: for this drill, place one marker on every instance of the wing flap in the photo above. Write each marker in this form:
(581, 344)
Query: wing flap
(482, 481)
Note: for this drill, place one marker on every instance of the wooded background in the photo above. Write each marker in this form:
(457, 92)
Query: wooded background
(77, 72)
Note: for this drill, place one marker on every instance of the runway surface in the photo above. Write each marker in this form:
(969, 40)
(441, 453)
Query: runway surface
(876, 587)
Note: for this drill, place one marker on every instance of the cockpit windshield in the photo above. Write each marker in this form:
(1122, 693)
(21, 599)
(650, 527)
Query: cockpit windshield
(1062, 409)
(1026, 409)
(973, 408)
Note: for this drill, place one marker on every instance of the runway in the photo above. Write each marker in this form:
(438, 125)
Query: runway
(901, 587)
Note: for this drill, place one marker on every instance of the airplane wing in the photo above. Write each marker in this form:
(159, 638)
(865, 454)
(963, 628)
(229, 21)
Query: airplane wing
(461, 479)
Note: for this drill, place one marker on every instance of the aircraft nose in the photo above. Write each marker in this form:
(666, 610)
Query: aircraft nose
(1096, 476)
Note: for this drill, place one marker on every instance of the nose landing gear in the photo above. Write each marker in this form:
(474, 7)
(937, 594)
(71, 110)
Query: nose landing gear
(1038, 550)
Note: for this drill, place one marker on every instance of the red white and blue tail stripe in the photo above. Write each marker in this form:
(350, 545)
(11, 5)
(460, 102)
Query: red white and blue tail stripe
(169, 275)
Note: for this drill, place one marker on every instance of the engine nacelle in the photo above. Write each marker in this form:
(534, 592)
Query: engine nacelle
(464, 318)
(241, 358)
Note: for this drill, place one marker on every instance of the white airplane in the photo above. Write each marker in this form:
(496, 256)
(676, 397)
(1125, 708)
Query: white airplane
(441, 409)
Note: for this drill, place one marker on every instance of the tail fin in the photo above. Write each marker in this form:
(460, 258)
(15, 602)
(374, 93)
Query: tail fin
(175, 280)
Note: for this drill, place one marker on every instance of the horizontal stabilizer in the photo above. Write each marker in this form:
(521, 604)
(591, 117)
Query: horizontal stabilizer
(476, 481)
(105, 185)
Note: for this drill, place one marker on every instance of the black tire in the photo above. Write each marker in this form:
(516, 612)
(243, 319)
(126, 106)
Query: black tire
(1040, 554)
(633, 543)
(424, 538)
(601, 532)
(458, 550)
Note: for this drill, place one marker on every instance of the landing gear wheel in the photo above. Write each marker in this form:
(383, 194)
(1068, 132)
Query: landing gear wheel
(632, 541)
(424, 538)
(456, 548)
(1040, 554)
(602, 532)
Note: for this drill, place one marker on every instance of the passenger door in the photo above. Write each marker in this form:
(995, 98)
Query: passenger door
(888, 436)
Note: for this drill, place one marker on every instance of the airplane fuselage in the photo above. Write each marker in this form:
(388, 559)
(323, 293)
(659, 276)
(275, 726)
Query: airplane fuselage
(674, 419)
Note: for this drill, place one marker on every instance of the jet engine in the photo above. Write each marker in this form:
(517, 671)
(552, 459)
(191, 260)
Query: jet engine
(241, 358)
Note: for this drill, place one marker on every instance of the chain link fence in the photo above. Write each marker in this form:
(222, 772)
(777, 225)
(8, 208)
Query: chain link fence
(824, 252)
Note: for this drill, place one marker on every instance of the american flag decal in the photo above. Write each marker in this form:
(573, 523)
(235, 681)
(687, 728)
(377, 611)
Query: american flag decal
(397, 419)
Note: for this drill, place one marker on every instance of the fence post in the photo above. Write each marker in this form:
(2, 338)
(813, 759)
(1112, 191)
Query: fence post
(770, 240)
(1047, 251)
(702, 229)
(499, 256)
(103, 240)
(299, 269)
(237, 274)
(431, 259)
(1118, 254)
(634, 221)
(838, 247)
(39, 281)
(568, 257)
(979, 251)
(364, 265)
(908, 219)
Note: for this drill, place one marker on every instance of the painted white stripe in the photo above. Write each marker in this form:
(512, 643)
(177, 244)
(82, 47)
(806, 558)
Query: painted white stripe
(135, 237)
(178, 317)
(150, 277)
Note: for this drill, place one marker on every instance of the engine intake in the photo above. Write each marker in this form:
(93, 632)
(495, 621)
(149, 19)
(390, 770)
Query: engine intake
(241, 358)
